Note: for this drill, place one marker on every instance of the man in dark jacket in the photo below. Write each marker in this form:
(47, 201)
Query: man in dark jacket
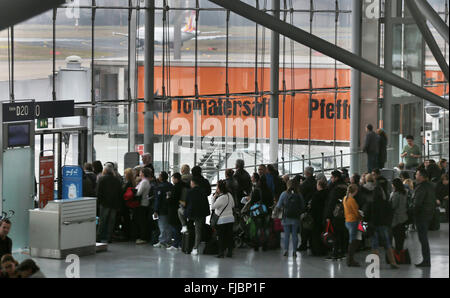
(371, 148)
(109, 198)
(179, 192)
(161, 208)
(382, 182)
(204, 183)
(232, 185)
(337, 191)
(197, 209)
(307, 189)
(424, 204)
(5, 241)
(243, 179)
(147, 161)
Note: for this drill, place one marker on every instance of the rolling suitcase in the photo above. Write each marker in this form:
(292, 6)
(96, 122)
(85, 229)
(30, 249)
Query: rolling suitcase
(187, 241)
(212, 245)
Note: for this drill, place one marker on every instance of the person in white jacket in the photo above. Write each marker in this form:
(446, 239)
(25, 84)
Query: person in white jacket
(223, 207)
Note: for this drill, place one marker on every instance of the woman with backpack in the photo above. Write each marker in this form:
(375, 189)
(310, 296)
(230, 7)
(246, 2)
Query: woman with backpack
(260, 200)
(352, 219)
(223, 209)
(292, 204)
(378, 213)
(399, 206)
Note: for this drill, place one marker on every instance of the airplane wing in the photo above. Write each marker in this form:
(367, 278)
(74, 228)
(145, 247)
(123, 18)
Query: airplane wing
(120, 34)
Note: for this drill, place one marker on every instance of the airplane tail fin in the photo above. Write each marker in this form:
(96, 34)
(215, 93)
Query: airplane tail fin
(190, 23)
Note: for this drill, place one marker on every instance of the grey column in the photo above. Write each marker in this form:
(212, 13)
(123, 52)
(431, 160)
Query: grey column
(132, 116)
(355, 88)
(178, 20)
(149, 64)
(274, 87)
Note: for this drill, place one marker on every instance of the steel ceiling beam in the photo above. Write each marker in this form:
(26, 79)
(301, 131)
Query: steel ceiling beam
(429, 39)
(328, 49)
(17, 11)
(432, 16)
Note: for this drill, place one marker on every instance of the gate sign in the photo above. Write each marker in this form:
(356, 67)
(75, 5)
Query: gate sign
(30, 110)
(72, 182)
(46, 180)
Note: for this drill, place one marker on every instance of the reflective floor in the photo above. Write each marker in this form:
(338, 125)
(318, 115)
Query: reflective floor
(129, 260)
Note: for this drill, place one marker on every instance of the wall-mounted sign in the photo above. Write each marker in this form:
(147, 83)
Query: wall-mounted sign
(23, 111)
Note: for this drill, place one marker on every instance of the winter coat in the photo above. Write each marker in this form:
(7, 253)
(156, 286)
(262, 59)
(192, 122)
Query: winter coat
(399, 203)
(424, 201)
(162, 192)
(371, 144)
(109, 192)
(197, 205)
(244, 182)
(223, 207)
(174, 202)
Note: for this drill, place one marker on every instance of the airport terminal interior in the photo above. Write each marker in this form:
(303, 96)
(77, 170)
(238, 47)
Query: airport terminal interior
(341, 107)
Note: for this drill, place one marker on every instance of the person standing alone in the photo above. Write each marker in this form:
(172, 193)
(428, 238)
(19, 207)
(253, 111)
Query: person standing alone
(371, 148)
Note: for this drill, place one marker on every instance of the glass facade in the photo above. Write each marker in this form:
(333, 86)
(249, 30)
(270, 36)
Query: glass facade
(212, 82)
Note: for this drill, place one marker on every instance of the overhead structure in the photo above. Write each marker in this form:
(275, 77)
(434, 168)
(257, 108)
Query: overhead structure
(17, 11)
(432, 16)
(429, 39)
(329, 49)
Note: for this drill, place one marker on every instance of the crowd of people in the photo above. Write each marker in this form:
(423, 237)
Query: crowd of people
(334, 217)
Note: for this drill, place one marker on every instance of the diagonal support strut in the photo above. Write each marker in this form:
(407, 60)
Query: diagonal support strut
(328, 49)
(429, 39)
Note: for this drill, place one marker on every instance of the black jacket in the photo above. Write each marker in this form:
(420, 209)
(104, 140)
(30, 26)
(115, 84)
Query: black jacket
(424, 201)
(109, 192)
(371, 143)
(434, 172)
(233, 187)
(197, 205)
(174, 202)
(244, 182)
(205, 185)
(161, 205)
(378, 212)
(318, 200)
(308, 188)
(5, 246)
(382, 149)
(441, 191)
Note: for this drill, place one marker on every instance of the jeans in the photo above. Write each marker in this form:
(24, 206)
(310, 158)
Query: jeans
(352, 228)
(225, 234)
(164, 228)
(198, 223)
(422, 231)
(288, 231)
(106, 223)
(181, 216)
(176, 235)
(372, 162)
(383, 233)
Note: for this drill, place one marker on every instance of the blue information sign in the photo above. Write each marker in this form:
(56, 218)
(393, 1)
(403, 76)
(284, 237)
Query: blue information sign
(72, 182)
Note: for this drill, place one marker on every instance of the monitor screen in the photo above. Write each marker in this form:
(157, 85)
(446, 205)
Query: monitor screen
(18, 135)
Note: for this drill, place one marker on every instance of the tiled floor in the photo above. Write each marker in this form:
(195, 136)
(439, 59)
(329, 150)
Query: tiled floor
(129, 260)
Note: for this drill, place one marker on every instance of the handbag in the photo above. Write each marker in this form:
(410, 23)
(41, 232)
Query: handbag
(215, 218)
(328, 236)
(307, 221)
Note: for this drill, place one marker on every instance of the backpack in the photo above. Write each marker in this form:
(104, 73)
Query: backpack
(294, 206)
(338, 211)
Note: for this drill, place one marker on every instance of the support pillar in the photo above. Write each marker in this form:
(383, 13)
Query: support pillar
(355, 88)
(149, 76)
(274, 87)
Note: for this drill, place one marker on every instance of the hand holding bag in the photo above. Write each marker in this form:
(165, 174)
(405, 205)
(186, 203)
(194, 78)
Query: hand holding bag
(328, 236)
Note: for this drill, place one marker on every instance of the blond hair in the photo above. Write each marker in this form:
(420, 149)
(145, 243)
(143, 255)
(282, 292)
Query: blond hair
(370, 178)
(185, 169)
(410, 183)
(352, 188)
